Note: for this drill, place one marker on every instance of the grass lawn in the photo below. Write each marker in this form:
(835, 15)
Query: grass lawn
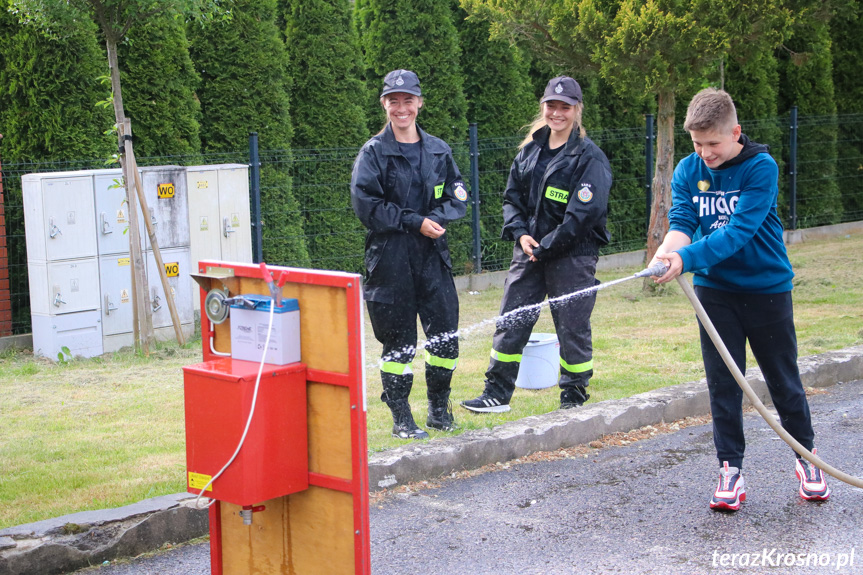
(108, 431)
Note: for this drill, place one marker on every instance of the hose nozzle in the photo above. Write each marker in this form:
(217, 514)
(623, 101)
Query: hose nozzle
(657, 269)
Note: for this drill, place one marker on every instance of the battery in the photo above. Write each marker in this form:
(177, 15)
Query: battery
(249, 330)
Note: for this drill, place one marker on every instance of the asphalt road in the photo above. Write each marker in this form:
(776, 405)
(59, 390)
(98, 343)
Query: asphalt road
(635, 509)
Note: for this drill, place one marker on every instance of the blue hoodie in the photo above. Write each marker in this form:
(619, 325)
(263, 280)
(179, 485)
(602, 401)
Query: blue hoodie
(730, 215)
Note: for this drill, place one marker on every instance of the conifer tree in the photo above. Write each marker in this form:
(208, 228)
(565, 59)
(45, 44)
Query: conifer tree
(328, 106)
(500, 101)
(49, 89)
(245, 84)
(329, 95)
(159, 82)
(806, 81)
(245, 87)
(847, 44)
(418, 35)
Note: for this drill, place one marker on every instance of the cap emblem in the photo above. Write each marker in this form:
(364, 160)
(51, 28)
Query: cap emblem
(559, 89)
(399, 82)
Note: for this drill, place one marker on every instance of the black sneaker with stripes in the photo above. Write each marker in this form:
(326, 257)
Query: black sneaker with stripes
(486, 404)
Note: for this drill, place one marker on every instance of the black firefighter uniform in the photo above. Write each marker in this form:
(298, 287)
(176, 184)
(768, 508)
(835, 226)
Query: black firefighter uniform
(408, 273)
(565, 211)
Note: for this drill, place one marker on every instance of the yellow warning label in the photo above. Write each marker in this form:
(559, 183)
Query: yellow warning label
(205, 224)
(123, 261)
(124, 296)
(203, 184)
(121, 216)
(166, 190)
(172, 270)
(199, 480)
(235, 221)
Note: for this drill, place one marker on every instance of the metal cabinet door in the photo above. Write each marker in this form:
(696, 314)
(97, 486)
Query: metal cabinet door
(234, 213)
(177, 263)
(73, 286)
(165, 188)
(112, 213)
(116, 282)
(67, 204)
(204, 223)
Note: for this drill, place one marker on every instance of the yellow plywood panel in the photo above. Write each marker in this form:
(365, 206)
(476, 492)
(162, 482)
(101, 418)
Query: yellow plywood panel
(322, 531)
(323, 329)
(221, 337)
(309, 532)
(260, 548)
(329, 430)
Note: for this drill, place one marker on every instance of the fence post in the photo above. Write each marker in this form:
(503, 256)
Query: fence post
(648, 168)
(792, 168)
(474, 187)
(5, 287)
(255, 176)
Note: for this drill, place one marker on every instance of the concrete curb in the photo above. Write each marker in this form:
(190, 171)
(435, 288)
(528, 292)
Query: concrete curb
(87, 538)
(67, 543)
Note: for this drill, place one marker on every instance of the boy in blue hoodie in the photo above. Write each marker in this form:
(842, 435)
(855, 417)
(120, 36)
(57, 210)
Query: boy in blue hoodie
(725, 230)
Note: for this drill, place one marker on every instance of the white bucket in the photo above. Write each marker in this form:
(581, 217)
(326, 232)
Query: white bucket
(540, 362)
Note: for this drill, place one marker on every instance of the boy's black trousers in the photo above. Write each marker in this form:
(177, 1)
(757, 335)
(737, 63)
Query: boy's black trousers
(767, 322)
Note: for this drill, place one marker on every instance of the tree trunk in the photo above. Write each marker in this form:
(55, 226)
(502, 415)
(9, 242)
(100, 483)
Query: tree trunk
(142, 316)
(114, 68)
(663, 171)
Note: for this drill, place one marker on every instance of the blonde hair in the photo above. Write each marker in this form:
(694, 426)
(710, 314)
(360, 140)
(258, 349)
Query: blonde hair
(710, 110)
(539, 121)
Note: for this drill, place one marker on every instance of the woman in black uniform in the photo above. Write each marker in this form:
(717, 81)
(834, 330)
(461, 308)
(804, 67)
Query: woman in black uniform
(555, 207)
(406, 189)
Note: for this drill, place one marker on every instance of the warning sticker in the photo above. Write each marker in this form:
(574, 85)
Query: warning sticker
(172, 269)
(121, 217)
(165, 191)
(199, 480)
(205, 224)
(123, 261)
(235, 221)
(124, 296)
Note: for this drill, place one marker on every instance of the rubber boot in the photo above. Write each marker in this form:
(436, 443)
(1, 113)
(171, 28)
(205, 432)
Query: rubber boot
(404, 426)
(440, 412)
(574, 396)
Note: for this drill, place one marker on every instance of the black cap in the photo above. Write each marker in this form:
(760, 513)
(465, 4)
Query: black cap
(562, 88)
(401, 81)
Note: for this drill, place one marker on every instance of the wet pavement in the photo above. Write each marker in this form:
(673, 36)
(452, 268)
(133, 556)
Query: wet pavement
(639, 508)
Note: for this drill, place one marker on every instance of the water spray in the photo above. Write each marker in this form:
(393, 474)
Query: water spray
(656, 270)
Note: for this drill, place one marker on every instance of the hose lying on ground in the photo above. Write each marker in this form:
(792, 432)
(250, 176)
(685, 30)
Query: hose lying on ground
(747, 390)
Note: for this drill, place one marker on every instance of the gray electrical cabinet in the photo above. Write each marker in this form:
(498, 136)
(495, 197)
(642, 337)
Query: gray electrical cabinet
(78, 250)
(61, 262)
(219, 215)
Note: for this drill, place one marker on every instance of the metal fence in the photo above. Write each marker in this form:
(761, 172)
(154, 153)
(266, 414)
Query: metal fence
(306, 217)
